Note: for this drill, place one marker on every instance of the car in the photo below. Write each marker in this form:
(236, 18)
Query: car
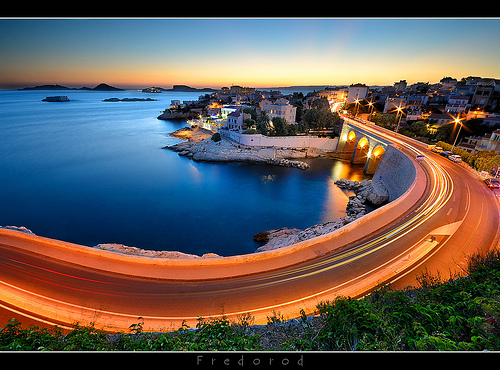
(492, 183)
(437, 149)
(445, 154)
(455, 158)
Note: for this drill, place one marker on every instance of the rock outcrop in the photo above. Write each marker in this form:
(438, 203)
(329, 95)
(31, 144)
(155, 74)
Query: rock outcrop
(167, 114)
(372, 191)
(150, 253)
(200, 147)
(18, 228)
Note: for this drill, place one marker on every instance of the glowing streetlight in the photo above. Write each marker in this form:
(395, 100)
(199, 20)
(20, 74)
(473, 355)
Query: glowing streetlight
(400, 110)
(356, 105)
(370, 103)
(455, 121)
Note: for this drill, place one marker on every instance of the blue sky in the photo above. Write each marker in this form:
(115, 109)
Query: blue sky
(250, 52)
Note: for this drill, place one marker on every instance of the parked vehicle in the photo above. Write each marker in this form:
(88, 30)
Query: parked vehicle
(437, 149)
(492, 183)
(445, 154)
(455, 158)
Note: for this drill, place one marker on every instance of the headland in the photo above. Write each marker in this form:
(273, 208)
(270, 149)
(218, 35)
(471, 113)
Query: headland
(202, 145)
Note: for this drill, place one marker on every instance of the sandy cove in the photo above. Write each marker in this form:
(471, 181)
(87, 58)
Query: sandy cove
(199, 147)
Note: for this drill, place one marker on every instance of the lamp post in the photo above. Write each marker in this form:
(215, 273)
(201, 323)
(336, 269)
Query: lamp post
(457, 120)
(371, 110)
(400, 110)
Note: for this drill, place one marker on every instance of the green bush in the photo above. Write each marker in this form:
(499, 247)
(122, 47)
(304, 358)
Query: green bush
(483, 160)
(216, 137)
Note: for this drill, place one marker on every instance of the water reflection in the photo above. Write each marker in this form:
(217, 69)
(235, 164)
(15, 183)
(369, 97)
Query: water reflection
(344, 170)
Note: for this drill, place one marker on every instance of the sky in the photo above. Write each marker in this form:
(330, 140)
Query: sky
(258, 52)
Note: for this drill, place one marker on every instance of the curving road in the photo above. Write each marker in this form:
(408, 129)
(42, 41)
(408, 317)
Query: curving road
(445, 217)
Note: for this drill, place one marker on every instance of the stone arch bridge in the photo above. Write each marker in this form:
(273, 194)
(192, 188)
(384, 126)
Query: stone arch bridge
(361, 146)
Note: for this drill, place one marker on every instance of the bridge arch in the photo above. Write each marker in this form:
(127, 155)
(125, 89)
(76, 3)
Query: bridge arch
(350, 142)
(360, 146)
(374, 159)
(361, 152)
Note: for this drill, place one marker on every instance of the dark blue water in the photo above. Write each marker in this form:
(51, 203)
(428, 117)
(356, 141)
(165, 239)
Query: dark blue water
(91, 172)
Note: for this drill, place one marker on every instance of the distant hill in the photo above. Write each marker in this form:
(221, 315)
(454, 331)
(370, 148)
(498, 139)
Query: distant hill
(106, 87)
(186, 88)
(47, 87)
(100, 87)
(182, 88)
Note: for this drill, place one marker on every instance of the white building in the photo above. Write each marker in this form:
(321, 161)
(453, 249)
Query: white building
(457, 104)
(280, 108)
(356, 92)
(394, 102)
(235, 121)
(473, 144)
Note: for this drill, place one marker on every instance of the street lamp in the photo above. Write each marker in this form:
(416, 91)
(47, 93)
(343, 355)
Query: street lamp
(400, 110)
(371, 110)
(356, 105)
(456, 120)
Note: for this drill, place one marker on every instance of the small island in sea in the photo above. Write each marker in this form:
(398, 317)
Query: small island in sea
(59, 98)
(128, 99)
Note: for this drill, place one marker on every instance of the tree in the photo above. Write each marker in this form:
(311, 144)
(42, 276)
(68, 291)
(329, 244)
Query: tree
(216, 137)
(300, 109)
(263, 126)
(320, 103)
(327, 118)
(280, 126)
(311, 117)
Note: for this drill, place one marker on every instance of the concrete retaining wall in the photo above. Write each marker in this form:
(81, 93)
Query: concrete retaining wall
(291, 142)
(396, 171)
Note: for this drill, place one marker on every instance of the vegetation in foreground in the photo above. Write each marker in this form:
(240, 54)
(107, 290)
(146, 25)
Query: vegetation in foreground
(457, 314)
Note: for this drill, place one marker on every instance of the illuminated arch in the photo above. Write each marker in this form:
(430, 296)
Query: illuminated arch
(374, 159)
(350, 142)
(361, 152)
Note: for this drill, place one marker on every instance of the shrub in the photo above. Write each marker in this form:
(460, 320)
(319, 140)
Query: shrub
(216, 137)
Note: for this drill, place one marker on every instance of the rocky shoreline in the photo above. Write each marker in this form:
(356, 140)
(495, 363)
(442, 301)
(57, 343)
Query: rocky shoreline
(200, 147)
(167, 115)
(367, 192)
(120, 248)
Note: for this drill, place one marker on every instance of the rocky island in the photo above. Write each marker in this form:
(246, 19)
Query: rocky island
(201, 147)
(128, 99)
(59, 98)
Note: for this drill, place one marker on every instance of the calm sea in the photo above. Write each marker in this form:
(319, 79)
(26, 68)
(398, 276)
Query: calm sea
(91, 172)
